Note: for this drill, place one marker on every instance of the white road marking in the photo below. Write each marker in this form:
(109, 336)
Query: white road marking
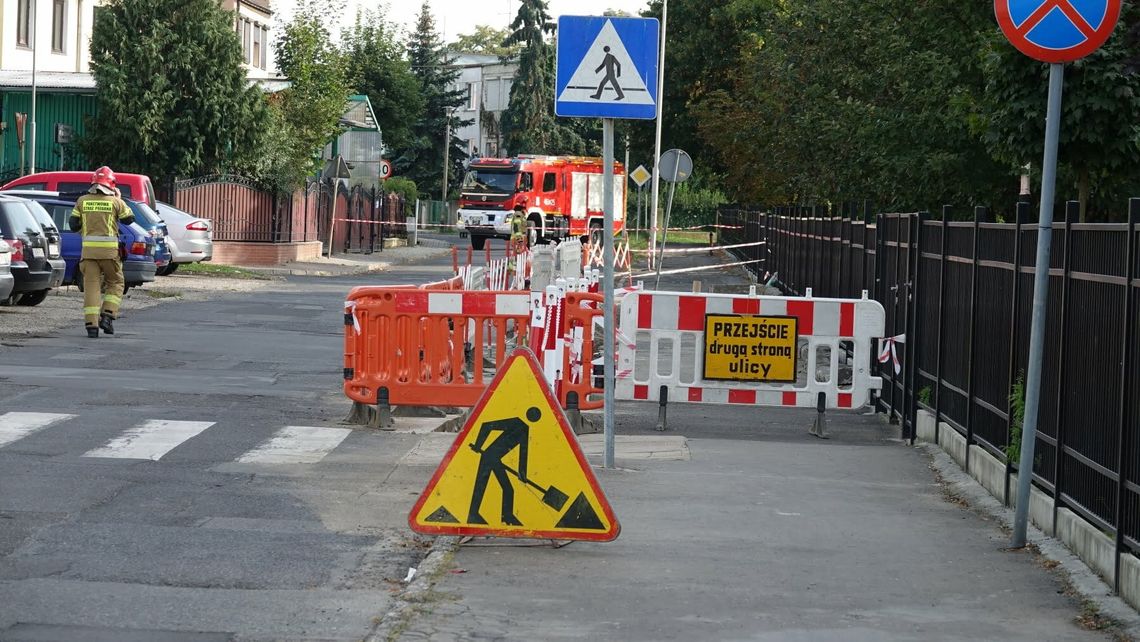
(17, 425)
(151, 440)
(296, 445)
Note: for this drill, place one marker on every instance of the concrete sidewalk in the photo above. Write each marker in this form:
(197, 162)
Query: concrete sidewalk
(738, 525)
(763, 533)
(352, 264)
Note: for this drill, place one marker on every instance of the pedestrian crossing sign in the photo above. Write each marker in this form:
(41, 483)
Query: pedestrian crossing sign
(515, 469)
(606, 67)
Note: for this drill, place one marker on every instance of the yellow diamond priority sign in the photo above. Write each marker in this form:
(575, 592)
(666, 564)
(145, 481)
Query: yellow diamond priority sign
(640, 175)
(515, 469)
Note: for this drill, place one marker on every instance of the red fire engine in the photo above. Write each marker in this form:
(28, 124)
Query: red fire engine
(562, 196)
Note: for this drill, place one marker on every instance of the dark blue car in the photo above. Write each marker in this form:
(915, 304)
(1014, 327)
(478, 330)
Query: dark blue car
(153, 223)
(137, 246)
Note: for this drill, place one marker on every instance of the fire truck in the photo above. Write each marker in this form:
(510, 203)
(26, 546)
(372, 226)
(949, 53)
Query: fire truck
(562, 196)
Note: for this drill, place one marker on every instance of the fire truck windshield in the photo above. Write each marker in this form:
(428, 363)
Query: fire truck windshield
(490, 181)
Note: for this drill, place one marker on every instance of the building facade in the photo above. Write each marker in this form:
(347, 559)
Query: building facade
(61, 28)
(253, 21)
(486, 82)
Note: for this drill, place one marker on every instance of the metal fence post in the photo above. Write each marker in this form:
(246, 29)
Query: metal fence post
(979, 214)
(1127, 369)
(1072, 210)
(1021, 213)
(941, 307)
(915, 318)
(880, 285)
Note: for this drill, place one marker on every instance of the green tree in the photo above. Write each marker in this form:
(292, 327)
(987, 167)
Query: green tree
(424, 153)
(1099, 153)
(308, 113)
(172, 93)
(378, 68)
(529, 124)
(485, 40)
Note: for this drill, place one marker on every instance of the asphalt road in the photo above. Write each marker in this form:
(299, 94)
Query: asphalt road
(151, 486)
(154, 486)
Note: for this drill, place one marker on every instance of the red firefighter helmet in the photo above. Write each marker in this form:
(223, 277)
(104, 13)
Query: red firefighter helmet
(105, 177)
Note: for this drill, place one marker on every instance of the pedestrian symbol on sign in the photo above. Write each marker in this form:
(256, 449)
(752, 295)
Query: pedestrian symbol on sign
(613, 72)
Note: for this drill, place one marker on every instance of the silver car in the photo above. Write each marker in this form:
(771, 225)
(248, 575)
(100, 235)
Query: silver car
(190, 239)
(7, 281)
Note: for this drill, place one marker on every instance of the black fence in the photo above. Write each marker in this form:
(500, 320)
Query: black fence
(962, 292)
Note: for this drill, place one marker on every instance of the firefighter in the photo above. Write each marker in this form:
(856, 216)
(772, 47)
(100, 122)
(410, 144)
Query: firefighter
(96, 217)
(518, 229)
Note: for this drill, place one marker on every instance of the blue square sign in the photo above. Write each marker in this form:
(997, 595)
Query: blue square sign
(607, 67)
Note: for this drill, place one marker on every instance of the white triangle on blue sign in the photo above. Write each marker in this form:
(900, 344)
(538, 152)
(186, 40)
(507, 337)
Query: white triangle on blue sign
(607, 74)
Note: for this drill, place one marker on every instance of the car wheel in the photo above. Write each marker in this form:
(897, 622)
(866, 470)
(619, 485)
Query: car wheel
(477, 242)
(595, 237)
(171, 269)
(32, 298)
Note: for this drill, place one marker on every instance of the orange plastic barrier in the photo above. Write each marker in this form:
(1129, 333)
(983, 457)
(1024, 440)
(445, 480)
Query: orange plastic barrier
(410, 347)
(578, 377)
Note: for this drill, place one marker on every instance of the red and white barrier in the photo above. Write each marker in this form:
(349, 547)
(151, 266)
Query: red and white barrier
(662, 343)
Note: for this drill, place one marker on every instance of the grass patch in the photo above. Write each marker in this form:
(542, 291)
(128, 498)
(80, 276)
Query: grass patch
(161, 294)
(227, 271)
(640, 240)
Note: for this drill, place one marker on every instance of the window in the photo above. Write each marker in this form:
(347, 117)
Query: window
(256, 54)
(264, 45)
(526, 181)
(550, 182)
(58, 24)
(472, 95)
(23, 22)
(245, 44)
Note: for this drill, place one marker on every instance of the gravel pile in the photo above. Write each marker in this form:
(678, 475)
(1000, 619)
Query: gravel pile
(63, 307)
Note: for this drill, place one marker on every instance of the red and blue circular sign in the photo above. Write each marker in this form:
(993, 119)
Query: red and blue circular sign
(1057, 30)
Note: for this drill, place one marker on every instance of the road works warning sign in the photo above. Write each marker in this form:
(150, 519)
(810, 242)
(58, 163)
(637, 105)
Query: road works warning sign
(750, 348)
(515, 469)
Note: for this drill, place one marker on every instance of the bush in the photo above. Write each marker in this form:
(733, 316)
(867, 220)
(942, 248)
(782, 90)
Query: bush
(403, 186)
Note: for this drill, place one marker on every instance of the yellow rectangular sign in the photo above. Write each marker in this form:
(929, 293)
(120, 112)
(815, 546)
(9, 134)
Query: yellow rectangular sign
(750, 348)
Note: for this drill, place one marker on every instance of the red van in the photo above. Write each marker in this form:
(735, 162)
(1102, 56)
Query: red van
(132, 186)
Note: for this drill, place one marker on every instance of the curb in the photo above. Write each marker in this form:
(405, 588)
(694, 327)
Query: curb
(404, 606)
(1084, 582)
(349, 270)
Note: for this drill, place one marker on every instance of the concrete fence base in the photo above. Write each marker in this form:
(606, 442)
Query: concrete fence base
(1094, 547)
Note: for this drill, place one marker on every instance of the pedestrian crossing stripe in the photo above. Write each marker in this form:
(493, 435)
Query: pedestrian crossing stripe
(591, 80)
(515, 469)
(154, 439)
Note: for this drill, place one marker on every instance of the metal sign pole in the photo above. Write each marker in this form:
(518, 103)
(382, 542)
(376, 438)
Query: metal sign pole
(608, 289)
(656, 187)
(1040, 304)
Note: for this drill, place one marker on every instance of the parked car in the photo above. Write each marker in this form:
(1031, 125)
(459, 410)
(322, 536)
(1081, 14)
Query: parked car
(152, 223)
(7, 282)
(136, 245)
(191, 238)
(35, 273)
(132, 186)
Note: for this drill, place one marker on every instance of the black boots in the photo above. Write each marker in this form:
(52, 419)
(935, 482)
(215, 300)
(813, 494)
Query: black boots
(105, 323)
(92, 332)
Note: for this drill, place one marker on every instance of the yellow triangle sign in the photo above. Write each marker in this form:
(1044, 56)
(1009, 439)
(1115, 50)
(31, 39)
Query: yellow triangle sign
(515, 469)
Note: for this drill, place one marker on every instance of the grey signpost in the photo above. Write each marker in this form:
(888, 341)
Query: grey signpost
(1056, 42)
(607, 68)
(676, 167)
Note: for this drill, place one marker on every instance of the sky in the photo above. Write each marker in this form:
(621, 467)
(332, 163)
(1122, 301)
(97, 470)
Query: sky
(454, 17)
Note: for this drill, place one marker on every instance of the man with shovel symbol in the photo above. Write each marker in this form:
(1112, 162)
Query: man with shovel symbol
(514, 434)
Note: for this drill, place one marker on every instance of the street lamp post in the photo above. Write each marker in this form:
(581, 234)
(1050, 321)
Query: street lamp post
(446, 157)
(32, 132)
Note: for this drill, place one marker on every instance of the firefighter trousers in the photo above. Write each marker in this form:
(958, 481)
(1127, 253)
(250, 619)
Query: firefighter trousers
(102, 288)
